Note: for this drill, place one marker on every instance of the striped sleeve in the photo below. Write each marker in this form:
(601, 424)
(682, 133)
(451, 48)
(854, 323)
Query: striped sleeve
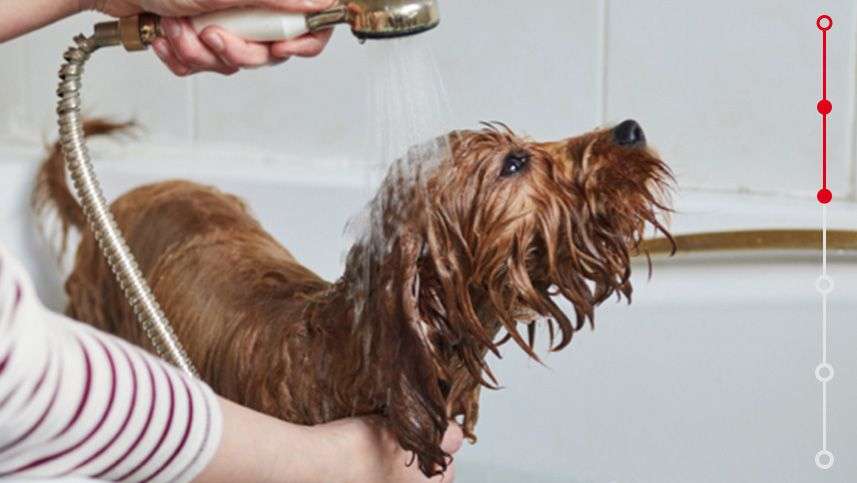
(76, 402)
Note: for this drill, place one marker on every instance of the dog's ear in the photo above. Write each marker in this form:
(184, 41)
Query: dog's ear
(417, 406)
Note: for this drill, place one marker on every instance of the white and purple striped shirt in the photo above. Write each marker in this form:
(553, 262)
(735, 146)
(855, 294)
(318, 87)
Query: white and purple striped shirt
(76, 402)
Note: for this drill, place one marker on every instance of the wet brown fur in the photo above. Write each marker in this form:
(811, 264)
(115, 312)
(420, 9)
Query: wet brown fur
(473, 253)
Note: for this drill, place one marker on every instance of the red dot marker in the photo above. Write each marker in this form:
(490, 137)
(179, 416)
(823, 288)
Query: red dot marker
(824, 107)
(824, 23)
(824, 196)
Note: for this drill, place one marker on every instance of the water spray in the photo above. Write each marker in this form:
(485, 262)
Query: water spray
(369, 19)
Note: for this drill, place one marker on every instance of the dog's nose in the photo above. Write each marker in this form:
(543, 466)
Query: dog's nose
(629, 133)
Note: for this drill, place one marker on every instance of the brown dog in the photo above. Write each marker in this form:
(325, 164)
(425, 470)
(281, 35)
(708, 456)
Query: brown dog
(491, 235)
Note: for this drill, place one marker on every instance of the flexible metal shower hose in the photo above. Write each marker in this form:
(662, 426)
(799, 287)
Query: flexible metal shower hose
(106, 232)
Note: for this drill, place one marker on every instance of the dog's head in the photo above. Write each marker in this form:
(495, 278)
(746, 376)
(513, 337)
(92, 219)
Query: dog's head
(488, 237)
(510, 223)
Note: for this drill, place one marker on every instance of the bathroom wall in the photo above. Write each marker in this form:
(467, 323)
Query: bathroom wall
(726, 90)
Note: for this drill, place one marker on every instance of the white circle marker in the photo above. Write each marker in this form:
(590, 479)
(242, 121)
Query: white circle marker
(824, 459)
(824, 372)
(824, 284)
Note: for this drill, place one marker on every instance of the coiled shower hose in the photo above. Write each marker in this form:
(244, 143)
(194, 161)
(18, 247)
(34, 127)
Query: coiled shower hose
(106, 232)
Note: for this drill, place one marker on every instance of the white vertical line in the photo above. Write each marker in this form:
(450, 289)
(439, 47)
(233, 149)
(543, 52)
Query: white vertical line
(824, 274)
(824, 240)
(824, 416)
(824, 329)
(192, 110)
(24, 73)
(823, 326)
(601, 64)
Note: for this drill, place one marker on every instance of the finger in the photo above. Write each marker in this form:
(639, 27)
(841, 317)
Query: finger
(308, 45)
(189, 49)
(164, 52)
(235, 51)
(279, 5)
(453, 439)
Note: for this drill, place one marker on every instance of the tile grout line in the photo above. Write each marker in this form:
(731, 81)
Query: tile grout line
(851, 147)
(24, 89)
(601, 65)
(192, 108)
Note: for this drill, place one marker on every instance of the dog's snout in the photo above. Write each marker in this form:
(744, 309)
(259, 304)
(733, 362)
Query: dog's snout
(629, 133)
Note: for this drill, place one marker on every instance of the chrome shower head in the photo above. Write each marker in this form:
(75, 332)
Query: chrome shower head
(369, 19)
(382, 19)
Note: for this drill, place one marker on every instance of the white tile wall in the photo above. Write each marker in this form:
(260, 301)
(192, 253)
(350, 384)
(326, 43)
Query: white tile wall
(12, 88)
(726, 90)
(117, 85)
(309, 109)
(494, 64)
(533, 65)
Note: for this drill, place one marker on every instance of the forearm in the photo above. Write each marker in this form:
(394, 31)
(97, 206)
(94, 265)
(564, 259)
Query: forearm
(75, 402)
(256, 447)
(18, 17)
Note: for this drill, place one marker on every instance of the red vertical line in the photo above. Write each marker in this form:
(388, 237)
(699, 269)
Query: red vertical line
(824, 151)
(824, 63)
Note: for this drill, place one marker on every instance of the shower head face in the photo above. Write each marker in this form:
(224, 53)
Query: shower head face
(384, 19)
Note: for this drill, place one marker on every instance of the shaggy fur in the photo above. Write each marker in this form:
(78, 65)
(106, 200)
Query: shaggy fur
(470, 252)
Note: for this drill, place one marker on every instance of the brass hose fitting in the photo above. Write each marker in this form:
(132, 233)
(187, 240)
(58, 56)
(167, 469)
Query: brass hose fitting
(135, 33)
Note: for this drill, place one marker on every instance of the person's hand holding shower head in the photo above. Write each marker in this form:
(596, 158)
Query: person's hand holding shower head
(184, 51)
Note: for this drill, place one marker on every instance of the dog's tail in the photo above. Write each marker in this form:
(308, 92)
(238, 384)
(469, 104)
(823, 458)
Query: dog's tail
(52, 194)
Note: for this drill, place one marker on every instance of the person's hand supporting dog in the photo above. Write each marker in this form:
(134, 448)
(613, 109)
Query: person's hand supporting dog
(50, 365)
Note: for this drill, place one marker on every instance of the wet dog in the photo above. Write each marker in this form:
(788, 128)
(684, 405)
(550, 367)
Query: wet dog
(486, 240)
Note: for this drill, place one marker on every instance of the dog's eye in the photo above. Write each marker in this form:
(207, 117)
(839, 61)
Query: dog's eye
(515, 163)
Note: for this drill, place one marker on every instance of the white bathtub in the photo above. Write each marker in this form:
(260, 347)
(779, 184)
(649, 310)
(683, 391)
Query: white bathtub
(707, 377)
